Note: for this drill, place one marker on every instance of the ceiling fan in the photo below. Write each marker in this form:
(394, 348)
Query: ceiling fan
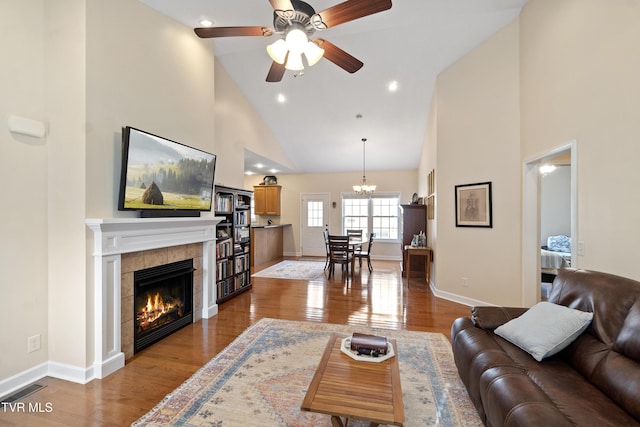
(297, 21)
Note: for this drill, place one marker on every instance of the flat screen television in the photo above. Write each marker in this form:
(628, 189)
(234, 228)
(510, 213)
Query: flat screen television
(161, 177)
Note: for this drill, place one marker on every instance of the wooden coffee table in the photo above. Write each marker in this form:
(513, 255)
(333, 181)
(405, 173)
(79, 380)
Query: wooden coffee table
(344, 387)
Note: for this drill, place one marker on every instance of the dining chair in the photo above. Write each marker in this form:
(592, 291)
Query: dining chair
(355, 233)
(340, 253)
(326, 247)
(366, 254)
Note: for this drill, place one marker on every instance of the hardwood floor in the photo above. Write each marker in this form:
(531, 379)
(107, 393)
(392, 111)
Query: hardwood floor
(379, 299)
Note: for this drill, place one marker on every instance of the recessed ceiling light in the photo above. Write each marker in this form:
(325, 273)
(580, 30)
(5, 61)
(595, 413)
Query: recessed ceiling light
(393, 86)
(206, 23)
(281, 98)
(259, 165)
(249, 173)
(274, 171)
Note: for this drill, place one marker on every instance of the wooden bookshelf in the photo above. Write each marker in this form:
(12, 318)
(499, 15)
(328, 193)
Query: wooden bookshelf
(233, 242)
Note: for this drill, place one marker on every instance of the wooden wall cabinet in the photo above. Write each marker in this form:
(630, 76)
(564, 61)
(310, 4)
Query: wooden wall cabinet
(233, 242)
(267, 199)
(414, 220)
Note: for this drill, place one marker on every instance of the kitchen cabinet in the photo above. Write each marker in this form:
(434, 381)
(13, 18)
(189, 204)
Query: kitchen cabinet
(267, 199)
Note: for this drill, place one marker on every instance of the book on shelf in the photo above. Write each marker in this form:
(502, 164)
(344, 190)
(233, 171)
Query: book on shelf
(242, 218)
(224, 202)
(224, 248)
(224, 269)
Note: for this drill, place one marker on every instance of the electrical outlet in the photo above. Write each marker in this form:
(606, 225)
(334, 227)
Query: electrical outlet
(581, 248)
(33, 343)
(465, 282)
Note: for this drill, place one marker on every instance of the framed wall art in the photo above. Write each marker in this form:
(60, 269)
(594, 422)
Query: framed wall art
(431, 205)
(473, 205)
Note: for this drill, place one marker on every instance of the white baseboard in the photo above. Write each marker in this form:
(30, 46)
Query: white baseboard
(456, 298)
(70, 373)
(47, 369)
(23, 379)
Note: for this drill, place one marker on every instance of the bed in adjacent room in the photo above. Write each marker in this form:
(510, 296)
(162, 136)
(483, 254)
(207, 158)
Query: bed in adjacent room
(555, 255)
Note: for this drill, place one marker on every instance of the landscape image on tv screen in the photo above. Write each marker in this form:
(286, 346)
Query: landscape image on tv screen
(162, 174)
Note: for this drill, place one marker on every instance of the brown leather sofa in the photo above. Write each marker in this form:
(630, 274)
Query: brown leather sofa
(595, 381)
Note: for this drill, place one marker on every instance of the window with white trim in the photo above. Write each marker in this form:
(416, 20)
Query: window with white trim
(378, 213)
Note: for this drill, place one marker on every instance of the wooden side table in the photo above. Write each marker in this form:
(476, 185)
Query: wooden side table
(420, 251)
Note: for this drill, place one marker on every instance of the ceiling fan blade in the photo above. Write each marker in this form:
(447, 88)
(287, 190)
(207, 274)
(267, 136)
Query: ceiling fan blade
(207, 32)
(349, 11)
(339, 57)
(281, 4)
(276, 72)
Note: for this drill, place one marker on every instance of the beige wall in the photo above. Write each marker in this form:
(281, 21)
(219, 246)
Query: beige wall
(476, 134)
(238, 126)
(66, 104)
(78, 66)
(566, 70)
(168, 91)
(335, 184)
(23, 173)
(579, 74)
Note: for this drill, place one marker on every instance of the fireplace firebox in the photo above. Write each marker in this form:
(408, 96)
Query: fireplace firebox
(163, 301)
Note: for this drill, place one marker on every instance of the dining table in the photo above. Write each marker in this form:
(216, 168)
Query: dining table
(356, 242)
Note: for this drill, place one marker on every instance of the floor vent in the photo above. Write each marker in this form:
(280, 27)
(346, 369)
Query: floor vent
(22, 393)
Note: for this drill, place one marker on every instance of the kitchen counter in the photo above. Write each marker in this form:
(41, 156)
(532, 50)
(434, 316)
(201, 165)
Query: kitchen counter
(268, 241)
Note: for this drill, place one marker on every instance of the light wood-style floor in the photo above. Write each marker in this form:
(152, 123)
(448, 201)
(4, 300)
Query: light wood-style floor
(380, 299)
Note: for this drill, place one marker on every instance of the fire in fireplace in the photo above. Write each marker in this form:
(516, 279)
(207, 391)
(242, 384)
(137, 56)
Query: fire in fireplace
(163, 298)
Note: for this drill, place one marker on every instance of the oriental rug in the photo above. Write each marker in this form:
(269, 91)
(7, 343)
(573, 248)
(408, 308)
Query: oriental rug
(261, 378)
(290, 269)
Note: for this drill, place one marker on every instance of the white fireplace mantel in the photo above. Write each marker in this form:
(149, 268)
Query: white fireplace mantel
(116, 236)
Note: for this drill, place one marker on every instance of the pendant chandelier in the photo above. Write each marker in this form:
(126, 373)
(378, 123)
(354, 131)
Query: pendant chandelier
(363, 188)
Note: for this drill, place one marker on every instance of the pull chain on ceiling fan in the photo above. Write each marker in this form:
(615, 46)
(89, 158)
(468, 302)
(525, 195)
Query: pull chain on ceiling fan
(297, 21)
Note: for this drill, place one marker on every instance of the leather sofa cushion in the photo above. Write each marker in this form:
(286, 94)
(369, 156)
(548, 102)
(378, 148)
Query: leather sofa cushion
(608, 353)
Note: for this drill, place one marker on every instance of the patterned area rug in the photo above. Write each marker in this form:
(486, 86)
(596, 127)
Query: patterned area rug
(261, 378)
(302, 270)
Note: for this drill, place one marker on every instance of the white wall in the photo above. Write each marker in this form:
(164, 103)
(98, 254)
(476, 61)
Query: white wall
(555, 204)
(238, 126)
(544, 81)
(580, 68)
(86, 67)
(23, 173)
(477, 139)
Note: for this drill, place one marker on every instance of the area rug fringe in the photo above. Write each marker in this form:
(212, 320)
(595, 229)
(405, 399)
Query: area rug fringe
(261, 377)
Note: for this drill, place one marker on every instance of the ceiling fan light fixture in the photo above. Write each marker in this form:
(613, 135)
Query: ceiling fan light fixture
(294, 62)
(313, 53)
(296, 40)
(278, 51)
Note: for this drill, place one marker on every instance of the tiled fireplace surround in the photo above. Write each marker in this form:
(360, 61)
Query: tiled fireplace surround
(124, 245)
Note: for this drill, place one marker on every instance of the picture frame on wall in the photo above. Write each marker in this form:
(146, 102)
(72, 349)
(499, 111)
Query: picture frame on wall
(473, 205)
(431, 182)
(431, 204)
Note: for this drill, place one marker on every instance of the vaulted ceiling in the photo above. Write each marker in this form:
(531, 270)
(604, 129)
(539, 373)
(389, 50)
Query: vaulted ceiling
(317, 123)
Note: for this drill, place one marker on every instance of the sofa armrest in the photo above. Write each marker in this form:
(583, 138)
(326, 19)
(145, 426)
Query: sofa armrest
(489, 317)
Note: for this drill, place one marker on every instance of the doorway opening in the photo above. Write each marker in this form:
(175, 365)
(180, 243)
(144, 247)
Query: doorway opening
(566, 154)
